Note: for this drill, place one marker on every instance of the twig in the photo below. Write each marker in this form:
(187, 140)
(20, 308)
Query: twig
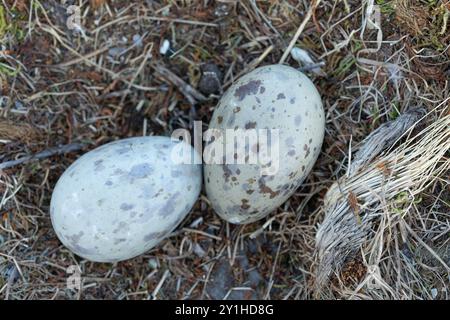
(299, 31)
(160, 283)
(147, 56)
(252, 65)
(81, 59)
(203, 233)
(312, 66)
(189, 92)
(183, 21)
(43, 154)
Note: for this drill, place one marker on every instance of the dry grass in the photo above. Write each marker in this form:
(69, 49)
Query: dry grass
(372, 208)
(12, 132)
(96, 84)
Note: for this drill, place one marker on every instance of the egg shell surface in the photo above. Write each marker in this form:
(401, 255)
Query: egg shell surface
(121, 199)
(270, 97)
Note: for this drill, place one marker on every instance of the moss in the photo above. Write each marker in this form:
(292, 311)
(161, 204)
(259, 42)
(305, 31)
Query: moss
(394, 113)
(8, 71)
(12, 27)
(3, 23)
(427, 20)
(344, 65)
(386, 7)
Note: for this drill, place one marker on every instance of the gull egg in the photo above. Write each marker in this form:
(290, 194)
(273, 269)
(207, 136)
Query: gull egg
(277, 101)
(121, 199)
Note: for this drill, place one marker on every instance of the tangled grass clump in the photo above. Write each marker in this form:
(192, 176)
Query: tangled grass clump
(372, 210)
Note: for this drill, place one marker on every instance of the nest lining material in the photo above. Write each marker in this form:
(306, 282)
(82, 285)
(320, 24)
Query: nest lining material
(357, 202)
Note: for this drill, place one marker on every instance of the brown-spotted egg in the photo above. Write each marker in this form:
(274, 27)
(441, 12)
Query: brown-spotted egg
(277, 98)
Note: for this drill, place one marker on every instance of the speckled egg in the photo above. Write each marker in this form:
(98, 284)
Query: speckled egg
(273, 97)
(121, 199)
